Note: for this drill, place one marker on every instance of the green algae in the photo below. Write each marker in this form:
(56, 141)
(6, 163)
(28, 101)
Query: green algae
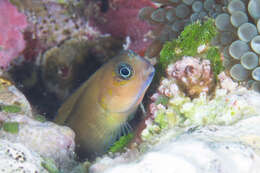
(187, 44)
(62, 1)
(168, 54)
(162, 120)
(172, 115)
(81, 167)
(181, 111)
(162, 100)
(213, 55)
(11, 127)
(49, 165)
(195, 35)
(10, 108)
(121, 143)
(40, 118)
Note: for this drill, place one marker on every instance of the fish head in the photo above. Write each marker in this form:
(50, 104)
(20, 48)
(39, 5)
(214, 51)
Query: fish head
(125, 80)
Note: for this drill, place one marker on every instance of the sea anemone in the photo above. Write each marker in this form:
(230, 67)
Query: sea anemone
(173, 15)
(237, 23)
(241, 21)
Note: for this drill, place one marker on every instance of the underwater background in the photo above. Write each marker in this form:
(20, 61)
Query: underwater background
(129, 85)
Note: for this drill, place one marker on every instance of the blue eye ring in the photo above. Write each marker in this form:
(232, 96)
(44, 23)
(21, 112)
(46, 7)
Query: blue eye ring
(124, 71)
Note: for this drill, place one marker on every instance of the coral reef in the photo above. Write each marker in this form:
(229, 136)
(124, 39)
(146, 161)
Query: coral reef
(51, 23)
(192, 75)
(18, 125)
(60, 66)
(61, 69)
(213, 148)
(17, 158)
(104, 103)
(12, 23)
(193, 41)
(62, 51)
(172, 16)
(58, 25)
(121, 21)
(45, 138)
(228, 105)
(64, 67)
(236, 21)
(12, 100)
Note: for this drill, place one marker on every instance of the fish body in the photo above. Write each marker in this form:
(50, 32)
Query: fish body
(101, 106)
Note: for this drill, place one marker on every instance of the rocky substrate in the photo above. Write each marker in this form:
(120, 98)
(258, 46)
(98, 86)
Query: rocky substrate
(214, 149)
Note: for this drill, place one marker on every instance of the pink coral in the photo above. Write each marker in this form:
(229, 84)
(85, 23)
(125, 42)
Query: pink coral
(121, 20)
(12, 22)
(51, 26)
(193, 75)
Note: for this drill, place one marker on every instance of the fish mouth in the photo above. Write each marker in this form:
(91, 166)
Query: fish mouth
(150, 71)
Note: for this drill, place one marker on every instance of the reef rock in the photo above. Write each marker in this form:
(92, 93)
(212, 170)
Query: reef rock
(224, 145)
(16, 158)
(207, 149)
(32, 133)
(11, 96)
(46, 138)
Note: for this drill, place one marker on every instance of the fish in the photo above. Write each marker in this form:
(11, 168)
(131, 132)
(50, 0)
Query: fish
(99, 109)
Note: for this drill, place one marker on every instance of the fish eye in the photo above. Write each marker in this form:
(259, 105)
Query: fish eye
(124, 71)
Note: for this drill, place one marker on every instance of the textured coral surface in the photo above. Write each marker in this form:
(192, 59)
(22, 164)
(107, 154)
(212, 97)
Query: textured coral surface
(16, 158)
(211, 149)
(121, 20)
(192, 75)
(12, 22)
(32, 132)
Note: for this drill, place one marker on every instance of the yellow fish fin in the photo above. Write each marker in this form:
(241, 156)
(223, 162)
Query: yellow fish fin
(66, 108)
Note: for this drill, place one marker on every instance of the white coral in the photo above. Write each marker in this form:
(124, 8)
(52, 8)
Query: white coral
(15, 158)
